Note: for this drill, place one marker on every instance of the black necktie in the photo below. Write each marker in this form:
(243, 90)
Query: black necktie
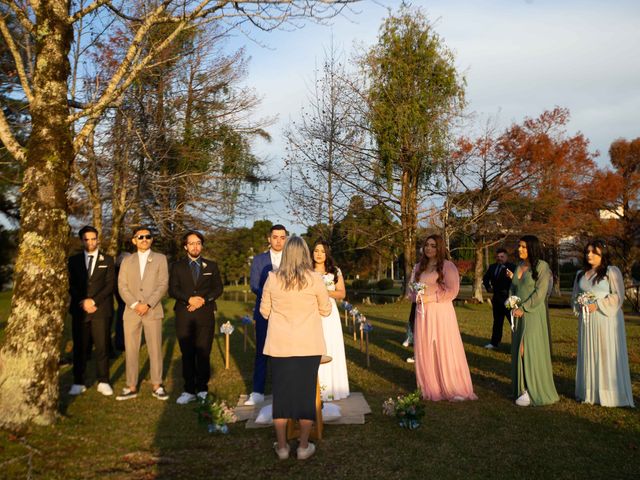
(195, 271)
(498, 270)
(89, 265)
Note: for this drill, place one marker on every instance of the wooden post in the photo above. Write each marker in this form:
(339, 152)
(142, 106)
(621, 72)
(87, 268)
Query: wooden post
(226, 356)
(244, 328)
(367, 348)
(354, 328)
(346, 318)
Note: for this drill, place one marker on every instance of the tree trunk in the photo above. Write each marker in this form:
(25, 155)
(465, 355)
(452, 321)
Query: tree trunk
(30, 353)
(478, 272)
(409, 220)
(124, 126)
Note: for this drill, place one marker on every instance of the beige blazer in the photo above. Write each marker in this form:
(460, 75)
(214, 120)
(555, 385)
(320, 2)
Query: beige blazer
(150, 289)
(294, 327)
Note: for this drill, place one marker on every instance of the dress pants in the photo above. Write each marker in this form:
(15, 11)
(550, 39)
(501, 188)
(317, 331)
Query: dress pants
(195, 337)
(83, 332)
(260, 365)
(500, 312)
(133, 326)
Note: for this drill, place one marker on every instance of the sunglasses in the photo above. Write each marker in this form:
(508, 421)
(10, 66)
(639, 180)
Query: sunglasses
(143, 237)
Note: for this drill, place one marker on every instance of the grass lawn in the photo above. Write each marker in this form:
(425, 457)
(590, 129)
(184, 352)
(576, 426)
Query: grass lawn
(97, 437)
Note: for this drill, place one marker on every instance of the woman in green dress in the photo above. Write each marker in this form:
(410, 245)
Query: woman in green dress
(531, 370)
(602, 371)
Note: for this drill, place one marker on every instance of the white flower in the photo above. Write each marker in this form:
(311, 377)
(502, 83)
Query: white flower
(204, 265)
(101, 258)
(226, 328)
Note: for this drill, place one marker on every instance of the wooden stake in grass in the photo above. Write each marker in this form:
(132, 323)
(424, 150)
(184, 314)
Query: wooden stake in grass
(246, 320)
(354, 314)
(227, 329)
(366, 328)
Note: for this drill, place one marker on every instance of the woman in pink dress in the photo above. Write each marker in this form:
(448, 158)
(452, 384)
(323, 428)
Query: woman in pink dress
(441, 366)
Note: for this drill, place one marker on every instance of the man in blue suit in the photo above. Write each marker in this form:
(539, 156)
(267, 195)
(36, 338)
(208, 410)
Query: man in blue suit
(260, 267)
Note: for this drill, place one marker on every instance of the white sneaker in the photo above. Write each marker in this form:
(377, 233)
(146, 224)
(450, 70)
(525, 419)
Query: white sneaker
(524, 400)
(490, 346)
(411, 360)
(255, 398)
(185, 397)
(105, 389)
(202, 395)
(304, 453)
(77, 389)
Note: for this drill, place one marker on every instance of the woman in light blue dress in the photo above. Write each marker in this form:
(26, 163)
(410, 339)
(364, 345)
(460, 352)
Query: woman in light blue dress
(602, 372)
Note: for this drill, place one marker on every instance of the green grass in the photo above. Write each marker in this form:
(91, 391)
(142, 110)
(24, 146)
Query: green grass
(97, 437)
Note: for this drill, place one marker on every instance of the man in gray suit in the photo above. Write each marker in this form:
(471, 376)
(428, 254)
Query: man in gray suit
(142, 282)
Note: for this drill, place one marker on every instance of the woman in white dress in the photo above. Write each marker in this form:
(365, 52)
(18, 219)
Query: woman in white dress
(332, 376)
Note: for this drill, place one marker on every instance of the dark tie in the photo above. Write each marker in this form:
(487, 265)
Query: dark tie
(89, 265)
(195, 271)
(498, 270)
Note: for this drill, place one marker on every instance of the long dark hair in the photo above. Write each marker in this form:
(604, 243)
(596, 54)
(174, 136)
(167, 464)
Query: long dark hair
(601, 271)
(534, 253)
(329, 263)
(441, 256)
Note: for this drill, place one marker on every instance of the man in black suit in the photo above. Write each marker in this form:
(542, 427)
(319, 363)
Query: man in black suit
(91, 283)
(496, 281)
(195, 283)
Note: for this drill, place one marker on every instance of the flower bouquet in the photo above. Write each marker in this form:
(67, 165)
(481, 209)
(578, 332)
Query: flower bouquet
(330, 284)
(215, 414)
(418, 288)
(583, 301)
(409, 410)
(512, 303)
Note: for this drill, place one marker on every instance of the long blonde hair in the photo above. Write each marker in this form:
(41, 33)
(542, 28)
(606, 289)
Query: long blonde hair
(295, 264)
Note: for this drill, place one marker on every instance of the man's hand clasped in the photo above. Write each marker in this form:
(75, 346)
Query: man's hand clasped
(195, 303)
(89, 306)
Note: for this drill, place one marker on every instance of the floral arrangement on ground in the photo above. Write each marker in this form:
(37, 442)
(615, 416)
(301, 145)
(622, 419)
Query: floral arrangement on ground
(216, 414)
(408, 409)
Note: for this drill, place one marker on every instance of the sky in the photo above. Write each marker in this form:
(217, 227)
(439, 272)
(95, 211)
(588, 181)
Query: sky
(520, 58)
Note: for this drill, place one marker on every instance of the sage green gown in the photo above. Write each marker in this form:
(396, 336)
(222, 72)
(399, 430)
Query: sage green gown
(533, 372)
(602, 370)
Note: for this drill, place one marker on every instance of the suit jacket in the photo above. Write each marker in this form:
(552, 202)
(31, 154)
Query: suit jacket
(260, 268)
(208, 286)
(99, 286)
(295, 317)
(147, 290)
(501, 284)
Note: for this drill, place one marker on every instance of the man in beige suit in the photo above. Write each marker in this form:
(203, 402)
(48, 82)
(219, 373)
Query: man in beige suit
(142, 282)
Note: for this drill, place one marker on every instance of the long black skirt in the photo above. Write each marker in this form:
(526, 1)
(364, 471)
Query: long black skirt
(294, 381)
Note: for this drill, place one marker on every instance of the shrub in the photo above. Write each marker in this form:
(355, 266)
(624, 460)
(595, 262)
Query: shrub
(360, 284)
(385, 284)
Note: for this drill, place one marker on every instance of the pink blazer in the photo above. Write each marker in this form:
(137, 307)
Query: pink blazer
(295, 317)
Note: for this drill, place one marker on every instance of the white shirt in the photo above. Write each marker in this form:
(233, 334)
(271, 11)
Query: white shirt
(93, 254)
(143, 257)
(275, 258)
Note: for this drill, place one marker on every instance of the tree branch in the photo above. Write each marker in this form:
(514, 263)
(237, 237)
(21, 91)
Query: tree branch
(87, 10)
(8, 139)
(20, 15)
(17, 58)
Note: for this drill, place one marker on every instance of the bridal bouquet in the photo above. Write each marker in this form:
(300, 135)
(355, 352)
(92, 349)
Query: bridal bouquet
(584, 300)
(512, 303)
(409, 409)
(418, 288)
(216, 414)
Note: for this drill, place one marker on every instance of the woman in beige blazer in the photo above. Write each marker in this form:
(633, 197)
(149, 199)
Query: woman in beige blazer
(294, 299)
